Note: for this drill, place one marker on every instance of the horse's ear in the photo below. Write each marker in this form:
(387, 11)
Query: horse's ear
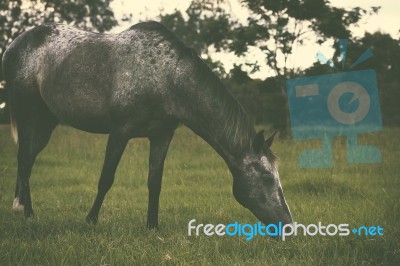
(269, 141)
(258, 142)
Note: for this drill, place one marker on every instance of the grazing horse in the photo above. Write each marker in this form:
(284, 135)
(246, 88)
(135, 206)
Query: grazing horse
(142, 82)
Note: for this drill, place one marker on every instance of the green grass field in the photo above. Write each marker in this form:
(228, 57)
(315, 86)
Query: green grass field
(196, 185)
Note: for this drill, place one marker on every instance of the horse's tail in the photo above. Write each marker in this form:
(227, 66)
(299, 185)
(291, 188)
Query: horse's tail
(13, 121)
(6, 66)
(14, 126)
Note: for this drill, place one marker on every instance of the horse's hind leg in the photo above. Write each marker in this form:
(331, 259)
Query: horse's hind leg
(158, 150)
(115, 147)
(35, 124)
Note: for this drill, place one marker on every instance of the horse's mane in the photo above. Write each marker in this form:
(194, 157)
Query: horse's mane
(238, 127)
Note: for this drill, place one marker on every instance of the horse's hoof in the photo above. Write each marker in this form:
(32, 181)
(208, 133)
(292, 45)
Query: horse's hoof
(28, 214)
(17, 207)
(152, 226)
(91, 219)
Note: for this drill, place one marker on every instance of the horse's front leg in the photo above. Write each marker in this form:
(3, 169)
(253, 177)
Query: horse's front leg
(115, 147)
(158, 150)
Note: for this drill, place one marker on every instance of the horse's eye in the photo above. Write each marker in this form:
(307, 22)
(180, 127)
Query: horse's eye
(268, 177)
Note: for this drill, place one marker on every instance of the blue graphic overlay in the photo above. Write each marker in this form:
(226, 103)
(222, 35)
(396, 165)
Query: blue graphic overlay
(324, 60)
(343, 51)
(367, 54)
(341, 104)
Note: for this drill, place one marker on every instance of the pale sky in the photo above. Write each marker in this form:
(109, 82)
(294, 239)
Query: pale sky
(387, 21)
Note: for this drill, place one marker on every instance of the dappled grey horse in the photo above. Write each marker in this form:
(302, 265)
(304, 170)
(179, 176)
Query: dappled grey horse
(141, 82)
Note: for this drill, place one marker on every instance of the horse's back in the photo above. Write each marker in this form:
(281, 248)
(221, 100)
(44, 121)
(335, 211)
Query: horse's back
(86, 79)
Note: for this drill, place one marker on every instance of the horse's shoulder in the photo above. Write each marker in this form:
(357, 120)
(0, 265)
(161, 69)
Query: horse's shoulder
(158, 31)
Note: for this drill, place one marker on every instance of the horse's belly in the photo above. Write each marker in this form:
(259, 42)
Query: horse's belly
(79, 97)
(91, 124)
(85, 112)
(86, 122)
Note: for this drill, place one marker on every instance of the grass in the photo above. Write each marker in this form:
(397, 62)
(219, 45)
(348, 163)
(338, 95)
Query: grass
(197, 185)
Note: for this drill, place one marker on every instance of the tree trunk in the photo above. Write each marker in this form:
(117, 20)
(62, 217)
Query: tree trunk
(283, 124)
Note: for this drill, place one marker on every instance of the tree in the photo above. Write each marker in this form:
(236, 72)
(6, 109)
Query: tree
(16, 16)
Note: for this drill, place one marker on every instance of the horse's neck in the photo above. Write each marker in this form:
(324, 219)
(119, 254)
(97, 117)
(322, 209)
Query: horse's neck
(213, 114)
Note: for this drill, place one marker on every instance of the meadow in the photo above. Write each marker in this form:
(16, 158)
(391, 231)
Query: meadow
(196, 185)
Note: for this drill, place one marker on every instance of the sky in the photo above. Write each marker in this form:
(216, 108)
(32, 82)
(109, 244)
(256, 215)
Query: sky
(387, 21)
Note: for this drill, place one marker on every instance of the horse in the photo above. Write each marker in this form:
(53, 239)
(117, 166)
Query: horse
(140, 83)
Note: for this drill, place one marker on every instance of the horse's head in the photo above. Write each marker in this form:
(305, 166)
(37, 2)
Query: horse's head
(257, 186)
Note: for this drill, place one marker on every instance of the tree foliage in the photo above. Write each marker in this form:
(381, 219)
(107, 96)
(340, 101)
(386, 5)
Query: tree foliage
(275, 26)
